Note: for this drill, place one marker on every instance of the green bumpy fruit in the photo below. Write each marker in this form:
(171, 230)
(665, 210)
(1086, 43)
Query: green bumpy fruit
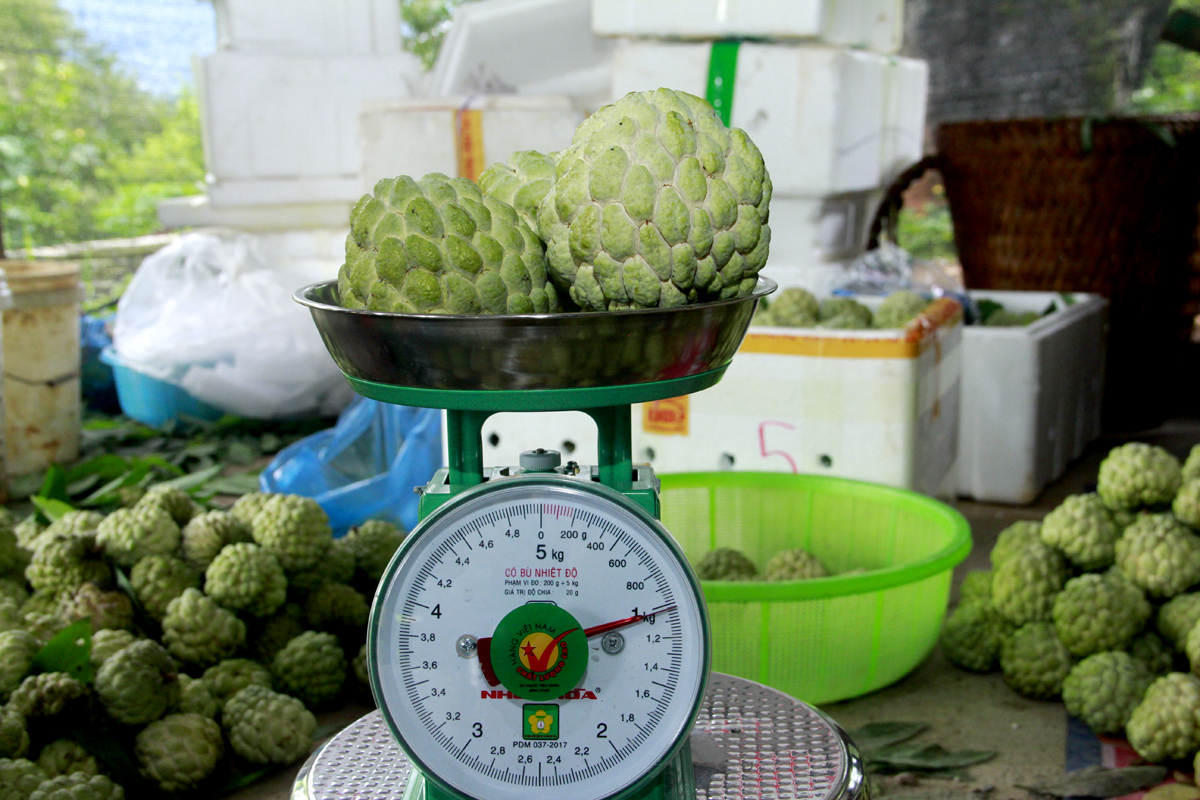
(273, 633)
(130, 534)
(972, 635)
(226, 679)
(1104, 688)
(439, 246)
(14, 739)
(205, 535)
(725, 564)
(852, 313)
(796, 564)
(294, 529)
(65, 756)
(1191, 467)
(1160, 555)
(1034, 662)
(1025, 583)
(19, 778)
(157, 580)
(195, 697)
(179, 751)
(105, 609)
(522, 182)
(268, 728)
(245, 577)
(1177, 617)
(312, 668)
(1083, 529)
(976, 587)
(107, 643)
(64, 561)
(17, 649)
(48, 694)
(1152, 650)
(1186, 505)
(1094, 613)
(11, 615)
(138, 684)
(1138, 474)
(78, 786)
(899, 308)
(361, 672)
(14, 589)
(337, 608)
(373, 544)
(76, 523)
(198, 631)
(1166, 724)
(176, 502)
(1013, 538)
(336, 565)
(795, 308)
(248, 505)
(656, 204)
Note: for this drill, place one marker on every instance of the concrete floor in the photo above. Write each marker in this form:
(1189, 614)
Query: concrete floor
(963, 710)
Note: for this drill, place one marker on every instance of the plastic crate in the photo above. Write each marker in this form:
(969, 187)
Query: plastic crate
(876, 618)
(152, 401)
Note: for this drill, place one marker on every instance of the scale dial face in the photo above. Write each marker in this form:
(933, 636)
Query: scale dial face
(522, 566)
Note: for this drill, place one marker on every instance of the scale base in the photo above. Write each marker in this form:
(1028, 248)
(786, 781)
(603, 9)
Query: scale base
(749, 741)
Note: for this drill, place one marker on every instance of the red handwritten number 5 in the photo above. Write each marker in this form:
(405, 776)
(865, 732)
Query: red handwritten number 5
(762, 442)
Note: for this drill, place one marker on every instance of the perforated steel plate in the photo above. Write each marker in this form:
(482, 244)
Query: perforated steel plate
(750, 741)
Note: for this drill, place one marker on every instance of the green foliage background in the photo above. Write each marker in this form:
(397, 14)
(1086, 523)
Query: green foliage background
(84, 153)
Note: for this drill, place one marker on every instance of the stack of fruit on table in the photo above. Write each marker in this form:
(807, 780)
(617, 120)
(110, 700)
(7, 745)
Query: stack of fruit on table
(1099, 604)
(203, 641)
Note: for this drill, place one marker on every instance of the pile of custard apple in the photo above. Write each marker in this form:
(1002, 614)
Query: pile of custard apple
(1099, 604)
(795, 307)
(206, 639)
(730, 564)
(655, 204)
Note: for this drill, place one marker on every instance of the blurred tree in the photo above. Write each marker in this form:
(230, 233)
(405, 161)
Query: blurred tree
(1172, 82)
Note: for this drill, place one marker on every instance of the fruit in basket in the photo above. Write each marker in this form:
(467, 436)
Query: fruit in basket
(130, 534)
(198, 631)
(78, 786)
(1164, 726)
(138, 684)
(245, 577)
(1034, 662)
(176, 502)
(657, 204)
(1138, 474)
(294, 529)
(795, 308)
(19, 777)
(159, 579)
(1013, 538)
(1025, 583)
(439, 246)
(1094, 613)
(1104, 688)
(522, 182)
(1159, 554)
(17, 649)
(205, 534)
(265, 727)
(899, 308)
(179, 751)
(971, 636)
(1083, 529)
(725, 564)
(64, 756)
(795, 564)
(312, 667)
(14, 739)
(64, 561)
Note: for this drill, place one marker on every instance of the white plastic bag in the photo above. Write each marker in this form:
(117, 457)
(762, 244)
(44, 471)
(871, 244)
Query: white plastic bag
(214, 315)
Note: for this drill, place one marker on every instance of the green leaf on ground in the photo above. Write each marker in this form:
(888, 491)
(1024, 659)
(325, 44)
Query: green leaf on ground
(69, 651)
(906, 757)
(877, 735)
(193, 479)
(1100, 782)
(51, 509)
(242, 483)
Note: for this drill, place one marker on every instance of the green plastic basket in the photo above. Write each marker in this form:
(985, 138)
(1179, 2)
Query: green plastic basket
(829, 638)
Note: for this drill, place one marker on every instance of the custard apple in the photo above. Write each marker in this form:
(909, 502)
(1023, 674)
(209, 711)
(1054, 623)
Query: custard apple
(49, 694)
(522, 182)
(64, 561)
(1025, 583)
(1152, 650)
(198, 631)
(725, 564)
(294, 529)
(179, 751)
(1138, 474)
(106, 609)
(1013, 538)
(971, 636)
(77, 523)
(1177, 617)
(14, 739)
(28, 530)
(1034, 662)
(312, 667)
(1191, 648)
(159, 579)
(976, 587)
(11, 615)
(12, 555)
(248, 505)
(1094, 613)
(43, 602)
(796, 564)
(1191, 467)
(852, 313)
(246, 577)
(226, 679)
(176, 502)
(1104, 688)
(205, 534)
(138, 684)
(130, 534)
(439, 246)
(1166, 724)
(64, 756)
(1186, 505)
(361, 672)
(1160, 555)
(19, 778)
(78, 786)
(268, 728)
(1083, 529)
(373, 544)
(656, 204)
(795, 308)
(107, 643)
(336, 565)
(899, 308)
(337, 608)
(14, 589)
(272, 634)
(195, 697)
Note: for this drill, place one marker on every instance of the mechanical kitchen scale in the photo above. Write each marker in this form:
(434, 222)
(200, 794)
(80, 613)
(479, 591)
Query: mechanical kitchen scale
(539, 634)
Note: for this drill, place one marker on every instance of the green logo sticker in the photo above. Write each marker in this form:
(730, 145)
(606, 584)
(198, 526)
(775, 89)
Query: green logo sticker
(541, 721)
(539, 652)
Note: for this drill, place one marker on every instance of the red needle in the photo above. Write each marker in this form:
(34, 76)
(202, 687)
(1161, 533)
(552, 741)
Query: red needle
(596, 630)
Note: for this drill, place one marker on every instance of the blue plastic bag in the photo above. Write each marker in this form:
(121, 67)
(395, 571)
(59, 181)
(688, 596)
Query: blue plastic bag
(365, 467)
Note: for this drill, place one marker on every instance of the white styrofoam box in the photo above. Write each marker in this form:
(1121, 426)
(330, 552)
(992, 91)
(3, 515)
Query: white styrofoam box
(560, 54)
(197, 211)
(272, 117)
(1031, 396)
(816, 230)
(905, 93)
(314, 27)
(878, 406)
(876, 25)
(815, 112)
(415, 137)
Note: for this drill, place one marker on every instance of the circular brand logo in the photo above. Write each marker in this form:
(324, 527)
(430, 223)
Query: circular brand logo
(539, 651)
